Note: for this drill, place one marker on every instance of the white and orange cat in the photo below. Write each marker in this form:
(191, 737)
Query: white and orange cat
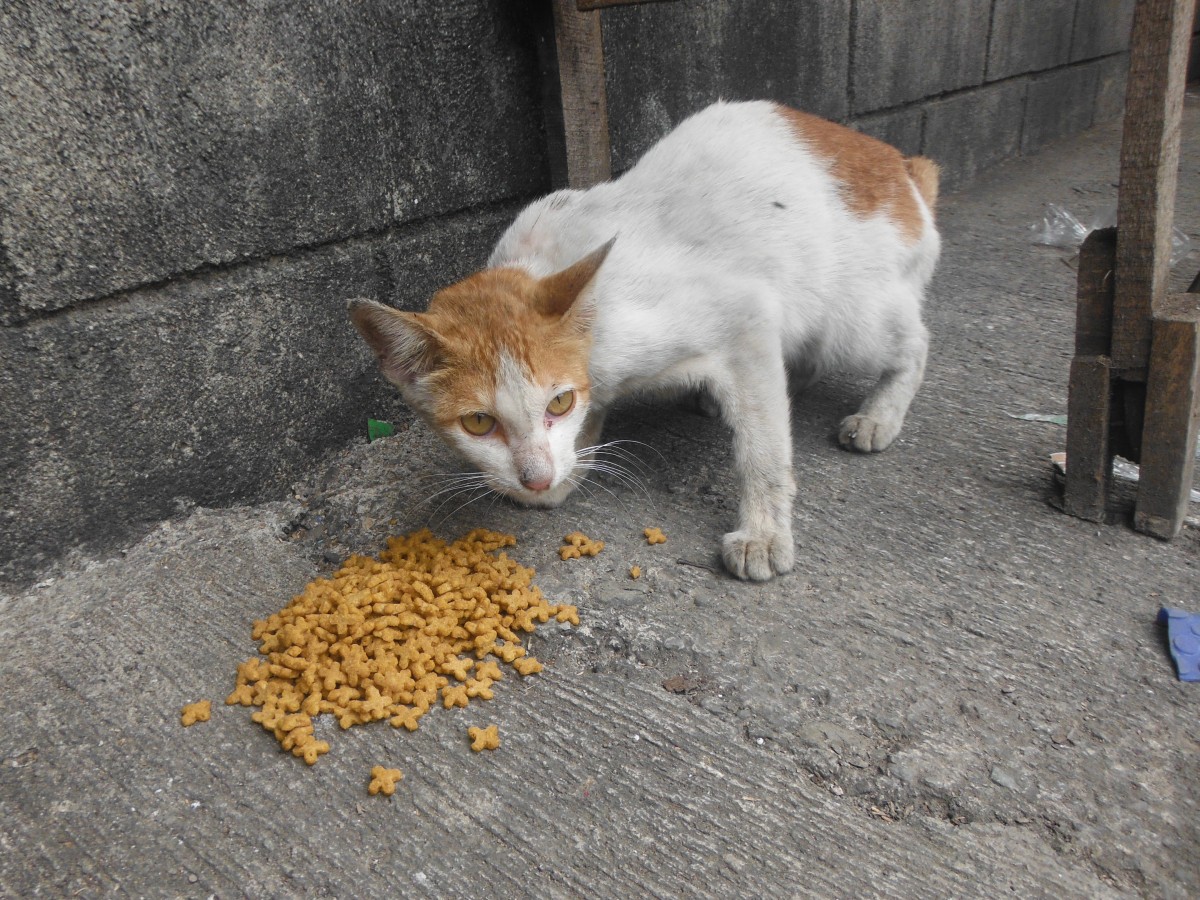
(753, 240)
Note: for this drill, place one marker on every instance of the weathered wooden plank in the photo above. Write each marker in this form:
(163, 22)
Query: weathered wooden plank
(1094, 293)
(574, 101)
(1172, 417)
(1149, 171)
(587, 5)
(1089, 454)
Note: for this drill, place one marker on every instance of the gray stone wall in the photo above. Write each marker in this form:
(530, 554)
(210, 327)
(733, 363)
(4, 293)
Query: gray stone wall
(190, 191)
(967, 82)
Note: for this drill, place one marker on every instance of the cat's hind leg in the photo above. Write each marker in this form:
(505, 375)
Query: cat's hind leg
(753, 397)
(878, 421)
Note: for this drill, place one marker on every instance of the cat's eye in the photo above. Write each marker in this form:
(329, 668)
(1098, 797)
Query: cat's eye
(478, 423)
(561, 404)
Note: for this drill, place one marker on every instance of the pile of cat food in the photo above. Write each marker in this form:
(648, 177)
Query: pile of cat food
(386, 638)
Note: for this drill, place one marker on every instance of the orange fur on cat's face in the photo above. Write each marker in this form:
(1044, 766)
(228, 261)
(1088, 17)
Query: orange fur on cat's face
(499, 366)
(491, 314)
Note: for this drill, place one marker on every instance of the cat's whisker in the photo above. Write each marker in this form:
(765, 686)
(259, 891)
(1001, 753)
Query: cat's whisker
(579, 481)
(619, 444)
(618, 455)
(614, 460)
(624, 478)
(610, 458)
(456, 490)
(478, 496)
(585, 487)
(624, 460)
(474, 480)
(612, 467)
(429, 476)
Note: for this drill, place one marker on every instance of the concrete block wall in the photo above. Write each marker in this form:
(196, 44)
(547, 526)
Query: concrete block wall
(967, 82)
(189, 192)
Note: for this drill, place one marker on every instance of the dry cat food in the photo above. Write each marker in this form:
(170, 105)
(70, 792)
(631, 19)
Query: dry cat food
(383, 780)
(484, 738)
(385, 638)
(577, 544)
(635, 572)
(200, 711)
(654, 536)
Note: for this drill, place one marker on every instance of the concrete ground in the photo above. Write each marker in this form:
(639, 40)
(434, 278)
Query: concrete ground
(959, 692)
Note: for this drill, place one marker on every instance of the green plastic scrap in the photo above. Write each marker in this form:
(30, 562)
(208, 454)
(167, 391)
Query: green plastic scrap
(378, 429)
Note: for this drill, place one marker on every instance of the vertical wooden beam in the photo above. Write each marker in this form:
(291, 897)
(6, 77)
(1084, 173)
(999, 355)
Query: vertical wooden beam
(604, 4)
(574, 103)
(1158, 57)
(1172, 418)
(1090, 402)
(1094, 293)
(1089, 449)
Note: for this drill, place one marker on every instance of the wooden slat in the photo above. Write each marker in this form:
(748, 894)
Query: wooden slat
(587, 5)
(574, 99)
(1172, 417)
(1149, 164)
(1089, 455)
(1094, 293)
(1089, 412)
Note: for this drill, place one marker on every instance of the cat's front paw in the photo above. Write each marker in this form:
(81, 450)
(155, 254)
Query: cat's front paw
(866, 434)
(758, 556)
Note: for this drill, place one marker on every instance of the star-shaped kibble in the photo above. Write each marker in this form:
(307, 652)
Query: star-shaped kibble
(527, 665)
(577, 545)
(458, 667)
(488, 669)
(312, 750)
(408, 717)
(480, 687)
(200, 711)
(567, 613)
(242, 694)
(455, 696)
(484, 738)
(383, 780)
(374, 706)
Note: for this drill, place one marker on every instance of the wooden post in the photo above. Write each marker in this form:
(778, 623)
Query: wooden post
(1094, 293)
(574, 103)
(585, 5)
(1089, 446)
(1172, 418)
(1158, 57)
(1090, 401)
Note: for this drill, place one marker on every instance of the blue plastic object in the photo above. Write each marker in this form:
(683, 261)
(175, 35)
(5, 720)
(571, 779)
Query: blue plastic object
(1183, 634)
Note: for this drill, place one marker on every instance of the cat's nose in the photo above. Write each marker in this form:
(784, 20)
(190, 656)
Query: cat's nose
(535, 483)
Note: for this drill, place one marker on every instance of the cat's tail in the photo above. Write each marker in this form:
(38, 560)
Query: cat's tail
(924, 173)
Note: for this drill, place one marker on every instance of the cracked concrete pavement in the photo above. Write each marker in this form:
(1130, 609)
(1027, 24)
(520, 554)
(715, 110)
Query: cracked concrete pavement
(959, 692)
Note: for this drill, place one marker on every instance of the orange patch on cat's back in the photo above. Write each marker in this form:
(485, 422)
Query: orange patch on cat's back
(875, 178)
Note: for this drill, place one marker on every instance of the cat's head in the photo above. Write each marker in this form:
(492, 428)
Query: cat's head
(498, 365)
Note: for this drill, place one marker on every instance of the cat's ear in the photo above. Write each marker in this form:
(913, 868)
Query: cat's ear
(406, 349)
(569, 292)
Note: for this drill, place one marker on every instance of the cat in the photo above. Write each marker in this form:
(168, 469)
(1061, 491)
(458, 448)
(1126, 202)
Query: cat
(752, 241)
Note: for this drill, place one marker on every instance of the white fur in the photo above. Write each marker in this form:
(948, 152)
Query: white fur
(735, 259)
(537, 448)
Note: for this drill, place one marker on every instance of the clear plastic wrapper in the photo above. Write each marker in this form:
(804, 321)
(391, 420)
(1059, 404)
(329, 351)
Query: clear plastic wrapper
(1060, 228)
